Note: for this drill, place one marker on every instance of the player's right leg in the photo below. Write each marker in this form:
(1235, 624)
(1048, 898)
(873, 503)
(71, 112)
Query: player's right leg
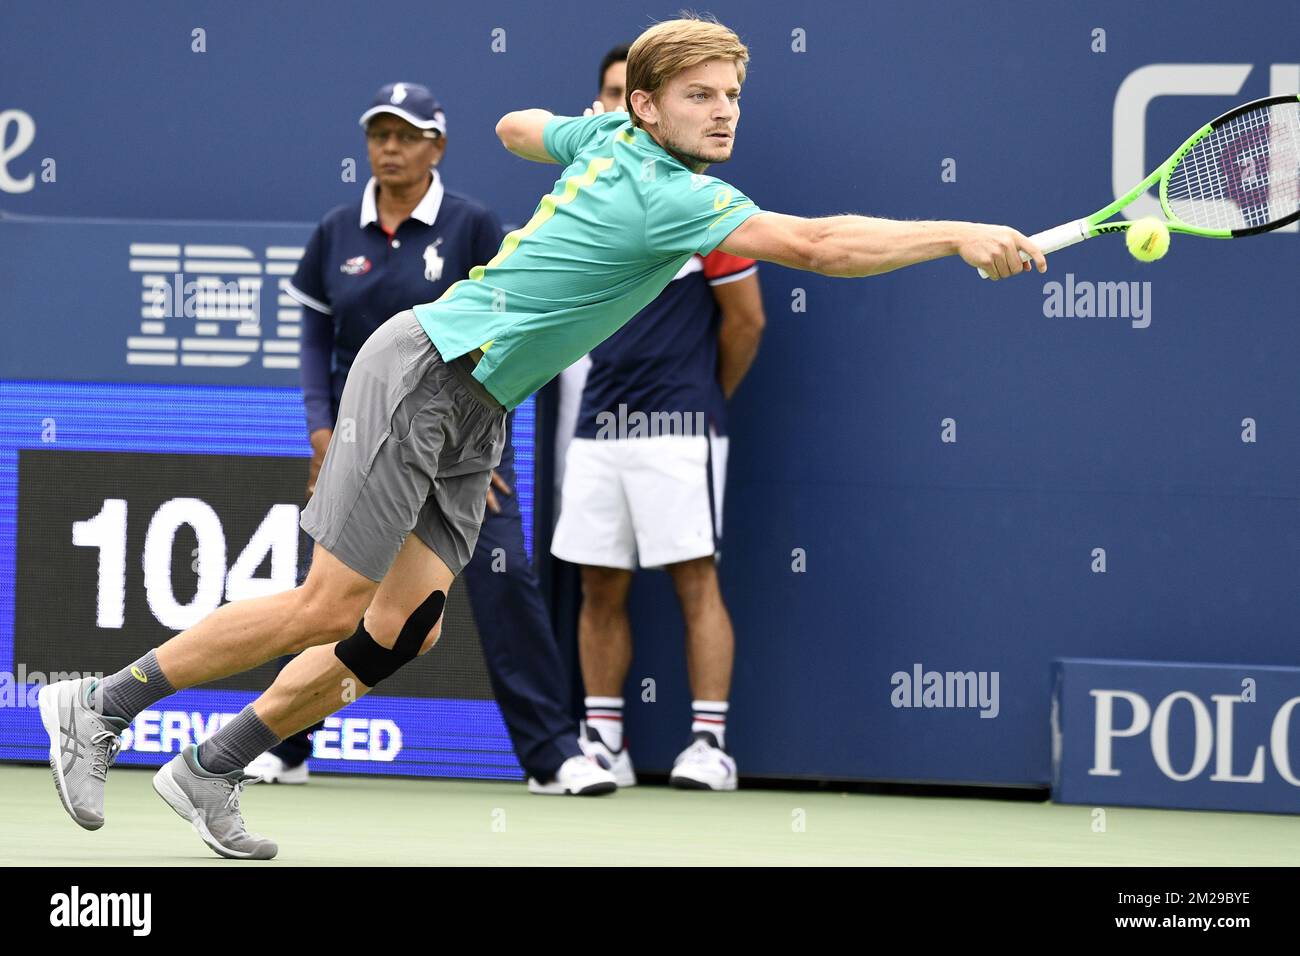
(359, 516)
(595, 531)
(401, 503)
(85, 718)
(605, 654)
(287, 761)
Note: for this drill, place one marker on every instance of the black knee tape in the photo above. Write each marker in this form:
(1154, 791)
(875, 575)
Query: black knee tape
(372, 662)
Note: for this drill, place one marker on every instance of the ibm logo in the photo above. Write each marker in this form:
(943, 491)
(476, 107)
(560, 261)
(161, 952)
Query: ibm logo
(201, 305)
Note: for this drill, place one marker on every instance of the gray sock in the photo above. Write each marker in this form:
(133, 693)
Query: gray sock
(134, 688)
(235, 745)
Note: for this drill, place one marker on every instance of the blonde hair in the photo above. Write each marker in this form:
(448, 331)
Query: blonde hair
(667, 48)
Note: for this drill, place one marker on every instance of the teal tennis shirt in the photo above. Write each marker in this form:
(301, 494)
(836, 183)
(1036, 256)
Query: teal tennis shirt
(623, 218)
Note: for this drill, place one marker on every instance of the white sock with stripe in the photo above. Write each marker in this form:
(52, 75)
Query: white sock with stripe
(605, 716)
(710, 715)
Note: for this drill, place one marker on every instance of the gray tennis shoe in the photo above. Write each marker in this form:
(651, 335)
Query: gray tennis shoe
(210, 802)
(83, 745)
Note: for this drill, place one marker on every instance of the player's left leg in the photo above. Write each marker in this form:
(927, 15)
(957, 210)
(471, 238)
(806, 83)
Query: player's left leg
(203, 784)
(710, 652)
(685, 480)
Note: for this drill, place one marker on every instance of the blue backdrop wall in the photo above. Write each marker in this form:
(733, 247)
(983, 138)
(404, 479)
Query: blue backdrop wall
(859, 542)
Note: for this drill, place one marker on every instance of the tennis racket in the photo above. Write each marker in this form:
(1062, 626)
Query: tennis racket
(1238, 175)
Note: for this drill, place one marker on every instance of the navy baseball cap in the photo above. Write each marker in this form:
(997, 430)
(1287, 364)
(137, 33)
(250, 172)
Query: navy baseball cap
(412, 102)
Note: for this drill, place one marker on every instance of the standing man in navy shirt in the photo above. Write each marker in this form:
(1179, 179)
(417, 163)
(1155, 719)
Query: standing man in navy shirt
(643, 485)
(406, 242)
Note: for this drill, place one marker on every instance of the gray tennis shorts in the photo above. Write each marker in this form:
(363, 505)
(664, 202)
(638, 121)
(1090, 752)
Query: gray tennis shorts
(413, 450)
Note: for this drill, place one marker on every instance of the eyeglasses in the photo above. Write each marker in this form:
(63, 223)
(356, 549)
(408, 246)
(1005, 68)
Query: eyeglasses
(405, 137)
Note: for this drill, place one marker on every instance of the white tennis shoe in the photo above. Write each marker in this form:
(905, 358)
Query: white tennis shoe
(619, 764)
(271, 769)
(578, 777)
(704, 766)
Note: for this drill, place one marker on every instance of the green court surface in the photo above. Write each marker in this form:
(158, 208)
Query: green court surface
(351, 821)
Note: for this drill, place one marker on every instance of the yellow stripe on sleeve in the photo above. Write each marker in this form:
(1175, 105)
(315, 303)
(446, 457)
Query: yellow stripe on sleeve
(545, 210)
(744, 205)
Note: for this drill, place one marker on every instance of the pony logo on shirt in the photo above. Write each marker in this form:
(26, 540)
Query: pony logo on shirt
(432, 261)
(356, 266)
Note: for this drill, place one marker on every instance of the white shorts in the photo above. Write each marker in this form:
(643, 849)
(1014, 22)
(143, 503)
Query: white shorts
(641, 502)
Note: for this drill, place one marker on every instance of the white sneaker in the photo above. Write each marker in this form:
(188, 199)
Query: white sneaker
(619, 764)
(704, 766)
(577, 776)
(271, 769)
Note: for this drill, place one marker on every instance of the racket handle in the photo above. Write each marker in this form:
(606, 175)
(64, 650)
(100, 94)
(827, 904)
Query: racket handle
(1058, 237)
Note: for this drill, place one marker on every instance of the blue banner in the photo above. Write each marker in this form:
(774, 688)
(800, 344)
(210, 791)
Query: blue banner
(193, 303)
(380, 735)
(130, 511)
(1194, 736)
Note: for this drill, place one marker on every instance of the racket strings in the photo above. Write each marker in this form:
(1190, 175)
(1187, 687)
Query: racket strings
(1242, 174)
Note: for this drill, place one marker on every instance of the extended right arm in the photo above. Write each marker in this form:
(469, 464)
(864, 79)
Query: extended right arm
(853, 246)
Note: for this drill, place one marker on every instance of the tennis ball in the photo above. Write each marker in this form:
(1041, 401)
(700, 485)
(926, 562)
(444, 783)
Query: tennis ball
(1148, 239)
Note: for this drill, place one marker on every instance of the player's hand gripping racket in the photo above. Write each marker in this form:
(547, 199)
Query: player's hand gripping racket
(1236, 176)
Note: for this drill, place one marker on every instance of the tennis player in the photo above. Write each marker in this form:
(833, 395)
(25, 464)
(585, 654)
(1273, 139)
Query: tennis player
(429, 392)
(406, 240)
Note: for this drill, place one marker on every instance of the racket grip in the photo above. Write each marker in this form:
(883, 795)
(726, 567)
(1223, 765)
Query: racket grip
(1058, 237)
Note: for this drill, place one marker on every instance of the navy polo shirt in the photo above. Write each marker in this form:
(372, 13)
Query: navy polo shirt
(665, 359)
(354, 276)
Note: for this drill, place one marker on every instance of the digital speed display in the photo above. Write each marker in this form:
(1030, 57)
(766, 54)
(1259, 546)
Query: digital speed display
(120, 528)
